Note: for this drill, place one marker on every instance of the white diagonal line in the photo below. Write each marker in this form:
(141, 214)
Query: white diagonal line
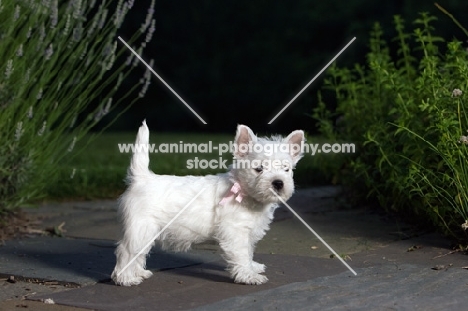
(162, 80)
(159, 233)
(315, 233)
(313, 79)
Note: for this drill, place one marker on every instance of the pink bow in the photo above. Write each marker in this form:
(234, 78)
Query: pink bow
(235, 189)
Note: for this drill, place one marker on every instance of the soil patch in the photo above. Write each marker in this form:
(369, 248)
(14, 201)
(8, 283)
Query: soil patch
(18, 224)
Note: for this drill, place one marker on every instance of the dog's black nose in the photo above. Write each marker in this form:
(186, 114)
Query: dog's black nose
(277, 184)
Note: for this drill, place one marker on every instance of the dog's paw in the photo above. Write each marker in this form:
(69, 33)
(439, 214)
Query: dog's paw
(127, 281)
(258, 267)
(131, 280)
(251, 279)
(145, 274)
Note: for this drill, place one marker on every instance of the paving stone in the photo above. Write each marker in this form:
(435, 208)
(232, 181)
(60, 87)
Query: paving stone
(80, 261)
(388, 287)
(394, 264)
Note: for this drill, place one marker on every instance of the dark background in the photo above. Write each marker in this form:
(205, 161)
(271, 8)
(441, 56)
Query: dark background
(242, 61)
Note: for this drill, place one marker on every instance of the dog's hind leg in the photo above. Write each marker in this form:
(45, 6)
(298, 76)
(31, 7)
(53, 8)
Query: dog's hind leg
(131, 253)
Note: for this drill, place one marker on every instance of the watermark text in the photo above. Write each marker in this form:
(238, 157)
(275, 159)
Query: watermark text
(222, 148)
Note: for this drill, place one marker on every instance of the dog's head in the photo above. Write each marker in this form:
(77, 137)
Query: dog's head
(265, 164)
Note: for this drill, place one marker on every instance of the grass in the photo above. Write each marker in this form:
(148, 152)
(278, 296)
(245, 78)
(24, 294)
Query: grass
(98, 170)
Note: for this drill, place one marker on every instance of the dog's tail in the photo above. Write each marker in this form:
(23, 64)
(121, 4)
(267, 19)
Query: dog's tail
(139, 164)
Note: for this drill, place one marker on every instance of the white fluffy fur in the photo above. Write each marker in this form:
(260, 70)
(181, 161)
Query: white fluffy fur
(151, 201)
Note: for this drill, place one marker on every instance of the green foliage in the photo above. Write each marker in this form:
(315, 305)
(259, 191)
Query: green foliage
(406, 115)
(58, 57)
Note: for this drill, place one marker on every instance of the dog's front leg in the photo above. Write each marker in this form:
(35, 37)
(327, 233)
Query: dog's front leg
(256, 266)
(238, 252)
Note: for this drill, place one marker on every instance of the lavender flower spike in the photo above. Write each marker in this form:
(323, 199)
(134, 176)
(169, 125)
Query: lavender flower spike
(19, 130)
(49, 52)
(151, 30)
(9, 68)
(17, 13)
(43, 128)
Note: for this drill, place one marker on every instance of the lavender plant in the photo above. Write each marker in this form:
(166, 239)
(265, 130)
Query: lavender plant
(406, 115)
(57, 58)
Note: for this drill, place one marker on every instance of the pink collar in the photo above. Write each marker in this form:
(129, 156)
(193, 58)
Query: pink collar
(235, 189)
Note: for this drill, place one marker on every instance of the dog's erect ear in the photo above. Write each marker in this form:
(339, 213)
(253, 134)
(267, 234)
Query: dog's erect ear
(244, 137)
(295, 141)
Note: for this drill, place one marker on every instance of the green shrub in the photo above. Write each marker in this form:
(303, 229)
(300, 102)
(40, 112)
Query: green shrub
(406, 115)
(57, 58)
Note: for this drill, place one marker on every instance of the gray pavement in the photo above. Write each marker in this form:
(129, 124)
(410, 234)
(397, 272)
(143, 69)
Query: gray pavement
(387, 287)
(398, 268)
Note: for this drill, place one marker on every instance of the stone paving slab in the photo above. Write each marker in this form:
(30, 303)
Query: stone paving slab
(22, 289)
(295, 259)
(87, 219)
(189, 287)
(388, 287)
(35, 305)
(420, 273)
(80, 261)
(384, 275)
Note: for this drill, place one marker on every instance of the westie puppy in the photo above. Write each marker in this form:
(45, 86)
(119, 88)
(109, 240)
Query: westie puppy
(234, 208)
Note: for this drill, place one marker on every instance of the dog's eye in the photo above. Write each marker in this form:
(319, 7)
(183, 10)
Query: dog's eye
(259, 169)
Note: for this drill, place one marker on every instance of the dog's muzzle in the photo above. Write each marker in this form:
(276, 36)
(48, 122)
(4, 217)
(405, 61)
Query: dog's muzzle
(277, 184)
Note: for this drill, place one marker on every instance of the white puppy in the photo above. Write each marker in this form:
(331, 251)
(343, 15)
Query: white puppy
(233, 208)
